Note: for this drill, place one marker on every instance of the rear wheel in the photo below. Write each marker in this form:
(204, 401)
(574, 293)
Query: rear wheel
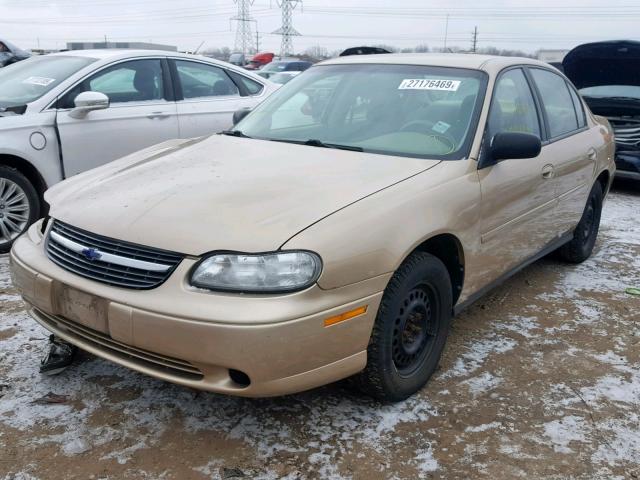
(410, 330)
(586, 232)
(19, 206)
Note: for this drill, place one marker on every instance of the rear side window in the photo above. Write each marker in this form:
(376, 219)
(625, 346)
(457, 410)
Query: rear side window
(557, 102)
(201, 80)
(251, 86)
(582, 122)
(513, 108)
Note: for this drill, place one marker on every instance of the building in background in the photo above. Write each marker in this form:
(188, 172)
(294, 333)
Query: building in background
(135, 45)
(552, 56)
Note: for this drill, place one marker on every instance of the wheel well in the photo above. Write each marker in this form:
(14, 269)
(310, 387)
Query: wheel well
(448, 249)
(28, 171)
(603, 178)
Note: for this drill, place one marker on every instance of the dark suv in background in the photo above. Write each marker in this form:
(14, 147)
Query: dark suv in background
(607, 75)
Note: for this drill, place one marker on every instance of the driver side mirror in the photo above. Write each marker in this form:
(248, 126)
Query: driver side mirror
(513, 145)
(87, 102)
(240, 114)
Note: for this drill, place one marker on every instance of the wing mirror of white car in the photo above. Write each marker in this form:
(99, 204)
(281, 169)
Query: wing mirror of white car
(238, 115)
(87, 102)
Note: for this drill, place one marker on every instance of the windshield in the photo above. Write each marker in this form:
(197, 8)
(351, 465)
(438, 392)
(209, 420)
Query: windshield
(406, 110)
(629, 91)
(26, 81)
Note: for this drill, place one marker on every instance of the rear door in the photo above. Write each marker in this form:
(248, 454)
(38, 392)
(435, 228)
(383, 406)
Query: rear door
(207, 96)
(141, 113)
(570, 144)
(518, 196)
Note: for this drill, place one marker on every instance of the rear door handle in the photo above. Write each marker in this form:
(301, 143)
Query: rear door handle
(548, 171)
(593, 155)
(158, 115)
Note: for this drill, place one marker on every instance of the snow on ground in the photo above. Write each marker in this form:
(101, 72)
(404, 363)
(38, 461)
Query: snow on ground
(541, 379)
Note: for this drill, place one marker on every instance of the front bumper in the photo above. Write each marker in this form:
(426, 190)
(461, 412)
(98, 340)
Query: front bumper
(628, 165)
(195, 338)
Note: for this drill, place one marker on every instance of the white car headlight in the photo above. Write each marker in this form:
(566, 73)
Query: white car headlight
(257, 273)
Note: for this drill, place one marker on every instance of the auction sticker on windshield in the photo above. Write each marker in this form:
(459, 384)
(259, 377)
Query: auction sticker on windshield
(40, 81)
(429, 84)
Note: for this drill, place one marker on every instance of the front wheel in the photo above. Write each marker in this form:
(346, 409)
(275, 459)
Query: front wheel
(410, 329)
(586, 232)
(19, 206)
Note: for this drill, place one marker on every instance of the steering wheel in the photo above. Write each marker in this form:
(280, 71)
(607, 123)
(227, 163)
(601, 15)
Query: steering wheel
(445, 140)
(408, 127)
(429, 132)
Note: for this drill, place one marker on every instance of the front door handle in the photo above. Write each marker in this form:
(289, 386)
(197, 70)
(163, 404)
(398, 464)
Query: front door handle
(548, 171)
(158, 115)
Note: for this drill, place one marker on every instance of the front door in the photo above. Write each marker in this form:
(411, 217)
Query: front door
(139, 115)
(518, 196)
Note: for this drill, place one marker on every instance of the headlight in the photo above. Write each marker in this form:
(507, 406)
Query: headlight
(257, 273)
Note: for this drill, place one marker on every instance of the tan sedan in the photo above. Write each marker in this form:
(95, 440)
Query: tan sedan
(333, 233)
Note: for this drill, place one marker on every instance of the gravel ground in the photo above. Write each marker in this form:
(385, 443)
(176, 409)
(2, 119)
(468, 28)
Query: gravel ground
(540, 379)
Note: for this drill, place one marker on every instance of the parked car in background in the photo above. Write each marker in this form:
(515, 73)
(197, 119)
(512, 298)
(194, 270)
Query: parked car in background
(333, 232)
(65, 113)
(9, 53)
(237, 59)
(259, 60)
(283, 77)
(364, 51)
(608, 77)
(285, 65)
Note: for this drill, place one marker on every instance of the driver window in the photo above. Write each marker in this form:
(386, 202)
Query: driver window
(134, 81)
(513, 108)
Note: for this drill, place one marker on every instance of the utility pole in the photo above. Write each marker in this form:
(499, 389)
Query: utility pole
(257, 41)
(446, 32)
(244, 37)
(286, 30)
(474, 42)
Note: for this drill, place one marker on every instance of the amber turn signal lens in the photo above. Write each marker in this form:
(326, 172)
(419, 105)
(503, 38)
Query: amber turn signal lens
(345, 316)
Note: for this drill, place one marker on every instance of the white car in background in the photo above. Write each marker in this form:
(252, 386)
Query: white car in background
(65, 113)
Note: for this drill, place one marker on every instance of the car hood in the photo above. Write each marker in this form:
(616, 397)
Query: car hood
(604, 63)
(222, 193)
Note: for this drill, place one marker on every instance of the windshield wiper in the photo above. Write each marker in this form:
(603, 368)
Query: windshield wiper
(234, 133)
(312, 142)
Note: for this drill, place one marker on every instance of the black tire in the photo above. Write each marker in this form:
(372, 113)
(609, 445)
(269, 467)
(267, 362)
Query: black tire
(8, 174)
(410, 330)
(586, 232)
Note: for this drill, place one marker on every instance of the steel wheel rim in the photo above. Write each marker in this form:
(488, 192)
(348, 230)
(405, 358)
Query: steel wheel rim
(14, 210)
(414, 331)
(590, 217)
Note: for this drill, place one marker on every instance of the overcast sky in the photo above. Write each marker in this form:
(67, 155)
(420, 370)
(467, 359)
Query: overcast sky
(335, 24)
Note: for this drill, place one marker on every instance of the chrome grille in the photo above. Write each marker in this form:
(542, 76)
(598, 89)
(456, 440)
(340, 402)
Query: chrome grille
(627, 132)
(109, 261)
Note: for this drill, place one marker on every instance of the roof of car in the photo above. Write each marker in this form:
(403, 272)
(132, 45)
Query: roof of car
(457, 60)
(106, 53)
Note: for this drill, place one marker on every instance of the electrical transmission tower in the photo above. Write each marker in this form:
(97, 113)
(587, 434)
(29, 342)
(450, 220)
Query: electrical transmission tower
(286, 30)
(474, 40)
(244, 37)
